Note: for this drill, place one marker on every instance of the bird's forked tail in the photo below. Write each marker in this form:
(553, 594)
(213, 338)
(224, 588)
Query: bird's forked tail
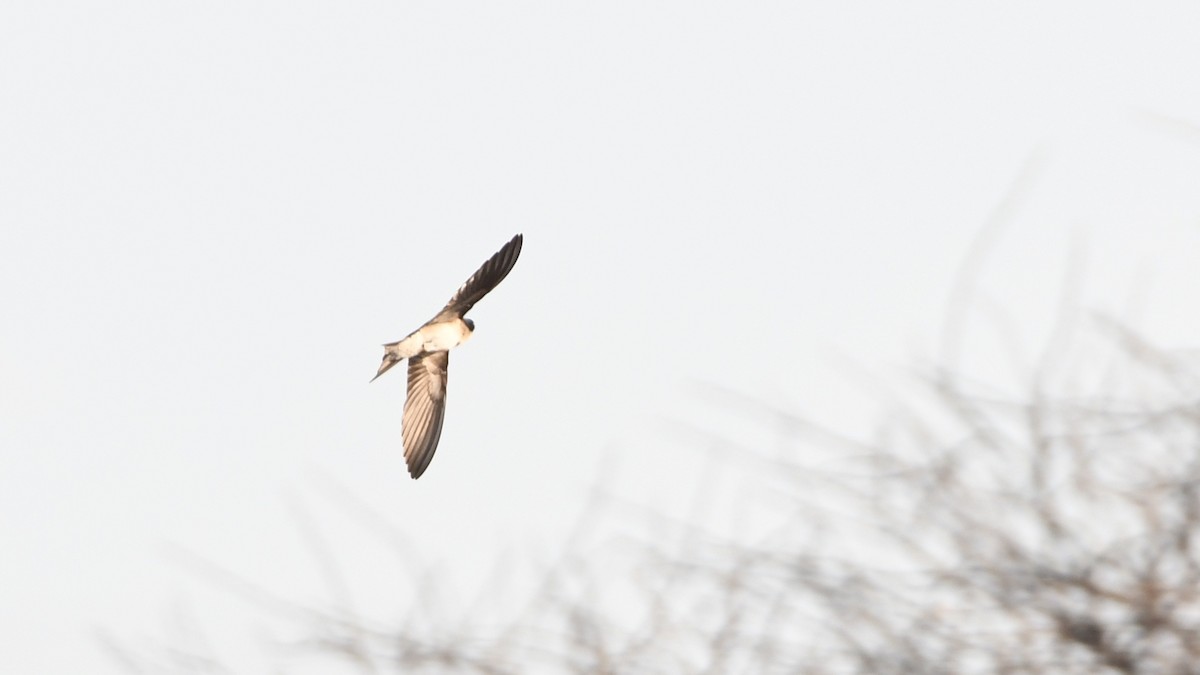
(391, 356)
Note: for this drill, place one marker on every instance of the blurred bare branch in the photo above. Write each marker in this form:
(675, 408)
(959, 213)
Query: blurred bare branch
(1053, 532)
(964, 289)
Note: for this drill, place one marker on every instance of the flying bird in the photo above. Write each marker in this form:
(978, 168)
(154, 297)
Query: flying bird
(428, 352)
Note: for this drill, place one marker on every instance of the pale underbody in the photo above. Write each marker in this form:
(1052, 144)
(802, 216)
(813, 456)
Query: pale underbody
(435, 337)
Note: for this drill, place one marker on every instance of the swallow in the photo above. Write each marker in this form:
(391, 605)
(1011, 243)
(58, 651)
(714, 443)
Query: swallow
(428, 352)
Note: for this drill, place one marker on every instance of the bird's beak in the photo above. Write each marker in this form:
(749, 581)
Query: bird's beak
(388, 362)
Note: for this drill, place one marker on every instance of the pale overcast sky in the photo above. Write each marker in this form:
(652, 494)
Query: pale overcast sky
(212, 215)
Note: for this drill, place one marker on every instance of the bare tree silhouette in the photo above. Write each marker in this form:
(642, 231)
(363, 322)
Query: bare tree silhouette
(977, 533)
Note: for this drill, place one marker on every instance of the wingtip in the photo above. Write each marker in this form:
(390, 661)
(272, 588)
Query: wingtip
(415, 467)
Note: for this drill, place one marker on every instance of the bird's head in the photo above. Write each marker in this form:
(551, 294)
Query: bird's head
(470, 325)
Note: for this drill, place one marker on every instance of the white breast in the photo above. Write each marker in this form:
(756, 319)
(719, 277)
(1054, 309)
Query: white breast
(442, 336)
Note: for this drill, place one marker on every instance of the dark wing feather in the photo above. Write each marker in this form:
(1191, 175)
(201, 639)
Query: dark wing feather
(424, 409)
(483, 281)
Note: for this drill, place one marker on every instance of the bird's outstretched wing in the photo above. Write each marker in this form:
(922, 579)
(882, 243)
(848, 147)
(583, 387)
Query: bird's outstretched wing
(483, 281)
(425, 409)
